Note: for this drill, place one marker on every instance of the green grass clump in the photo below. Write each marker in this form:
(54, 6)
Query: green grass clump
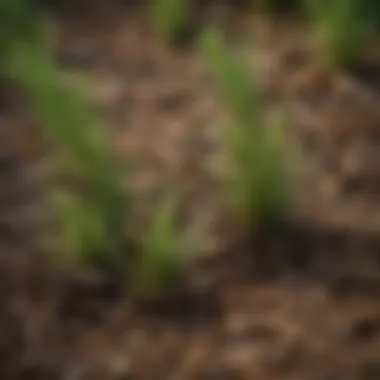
(85, 234)
(372, 13)
(163, 253)
(339, 31)
(93, 216)
(17, 21)
(255, 173)
(92, 224)
(169, 17)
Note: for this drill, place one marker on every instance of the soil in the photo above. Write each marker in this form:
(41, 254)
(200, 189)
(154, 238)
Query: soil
(301, 303)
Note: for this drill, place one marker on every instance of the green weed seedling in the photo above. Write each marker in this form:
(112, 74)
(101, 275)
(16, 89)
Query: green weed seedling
(84, 234)
(255, 172)
(372, 13)
(91, 224)
(169, 17)
(232, 80)
(338, 31)
(17, 22)
(163, 253)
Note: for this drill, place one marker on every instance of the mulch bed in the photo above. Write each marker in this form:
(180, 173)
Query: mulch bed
(301, 303)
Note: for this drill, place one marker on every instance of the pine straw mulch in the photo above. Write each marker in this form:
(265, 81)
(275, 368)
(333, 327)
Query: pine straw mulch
(300, 304)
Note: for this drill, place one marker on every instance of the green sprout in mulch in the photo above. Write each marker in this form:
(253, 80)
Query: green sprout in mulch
(92, 224)
(170, 17)
(339, 31)
(92, 209)
(17, 22)
(254, 173)
(164, 253)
